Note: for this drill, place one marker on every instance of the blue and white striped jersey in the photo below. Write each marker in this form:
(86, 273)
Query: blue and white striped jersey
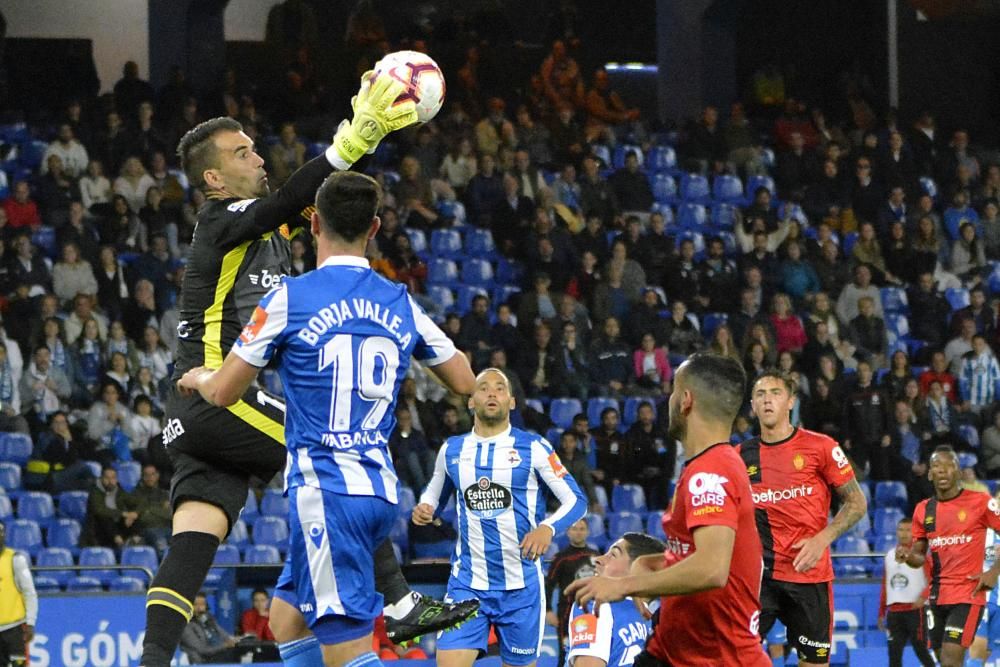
(615, 635)
(343, 336)
(992, 544)
(980, 374)
(498, 485)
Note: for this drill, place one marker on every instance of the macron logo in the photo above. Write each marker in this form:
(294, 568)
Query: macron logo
(773, 496)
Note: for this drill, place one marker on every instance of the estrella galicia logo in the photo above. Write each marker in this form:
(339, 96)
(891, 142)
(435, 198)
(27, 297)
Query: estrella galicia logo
(487, 499)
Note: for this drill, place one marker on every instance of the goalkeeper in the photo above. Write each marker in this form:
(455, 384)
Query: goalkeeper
(240, 245)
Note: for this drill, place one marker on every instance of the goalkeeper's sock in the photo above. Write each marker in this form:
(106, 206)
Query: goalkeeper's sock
(301, 652)
(778, 662)
(389, 580)
(170, 599)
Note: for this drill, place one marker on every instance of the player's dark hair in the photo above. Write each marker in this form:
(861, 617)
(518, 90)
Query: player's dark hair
(346, 202)
(720, 383)
(641, 544)
(780, 376)
(905, 519)
(945, 449)
(197, 151)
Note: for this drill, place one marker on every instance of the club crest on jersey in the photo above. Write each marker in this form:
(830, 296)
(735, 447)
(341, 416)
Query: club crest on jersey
(253, 327)
(584, 630)
(962, 515)
(799, 462)
(899, 582)
(486, 499)
(513, 458)
(994, 506)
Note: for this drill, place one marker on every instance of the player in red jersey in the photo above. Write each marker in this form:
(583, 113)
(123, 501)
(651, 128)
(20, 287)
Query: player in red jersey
(952, 526)
(792, 471)
(710, 607)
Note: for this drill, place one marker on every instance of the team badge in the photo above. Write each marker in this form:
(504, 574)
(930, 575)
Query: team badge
(799, 462)
(513, 458)
(961, 515)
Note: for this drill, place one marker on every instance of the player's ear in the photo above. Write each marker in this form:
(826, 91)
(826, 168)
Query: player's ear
(213, 179)
(376, 225)
(314, 226)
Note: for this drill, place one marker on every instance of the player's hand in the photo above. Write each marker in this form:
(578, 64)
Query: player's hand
(536, 543)
(551, 619)
(188, 384)
(987, 581)
(810, 551)
(919, 603)
(28, 631)
(376, 114)
(422, 515)
(881, 623)
(597, 588)
(902, 553)
(642, 606)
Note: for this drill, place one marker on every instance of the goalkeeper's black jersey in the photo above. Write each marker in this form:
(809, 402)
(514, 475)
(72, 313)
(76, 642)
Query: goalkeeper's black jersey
(239, 252)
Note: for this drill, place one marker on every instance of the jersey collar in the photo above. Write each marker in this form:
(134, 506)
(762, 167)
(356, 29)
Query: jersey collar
(493, 438)
(346, 260)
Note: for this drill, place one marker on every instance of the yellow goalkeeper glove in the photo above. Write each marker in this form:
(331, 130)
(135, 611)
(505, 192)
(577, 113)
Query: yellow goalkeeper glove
(376, 114)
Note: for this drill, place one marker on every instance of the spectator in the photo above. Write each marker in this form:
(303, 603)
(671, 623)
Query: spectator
(28, 267)
(130, 90)
(611, 295)
(597, 197)
(83, 310)
(112, 144)
(910, 453)
(140, 311)
(979, 375)
(929, 311)
(285, 156)
(605, 108)
(991, 228)
(574, 361)
(795, 168)
(718, 279)
(647, 318)
(894, 382)
(152, 503)
(111, 514)
(652, 455)
(847, 302)
(958, 346)
(542, 366)
(748, 314)
(568, 138)
(829, 196)
(968, 256)
(57, 463)
(88, 363)
(537, 305)
(682, 279)
(254, 620)
(576, 464)
(122, 228)
(530, 181)
(977, 310)
(822, 311)
(21, 210)
(51, 336)
(893, 210)
(990, 448)
(790, 334)
(143, 385)
(494, 129)
(631, 186)
(942, 417)
(574, 561)
(613, 454)
(44, 389)
(411, 455)
(833, 273)
(81, 232)
(112, 291)
(10, 393)
(867, 333)
(798, 278)
(203, 639)
(106, 423)
(866, 425)
(938, 372)
(867, 251)
(70, 151)
(73, 275)
(825, 413)
(723, 343)
(95, 189)
(504, 335)
(54, 192)
(609, 361)
(459, 165)
(705, 145)
(133, 182)
(144, 136)
(152, 353)
(160, 220)
(484, 193)
(415, 195)
(898, 255)
(142, 427)
(652, 368)
(682, 335)
(511, 217)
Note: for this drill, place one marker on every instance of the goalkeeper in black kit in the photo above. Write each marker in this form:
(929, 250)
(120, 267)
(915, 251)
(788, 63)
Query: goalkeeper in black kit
(240, 250)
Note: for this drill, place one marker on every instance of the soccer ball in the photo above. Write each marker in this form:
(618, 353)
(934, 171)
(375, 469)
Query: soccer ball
(423, 78)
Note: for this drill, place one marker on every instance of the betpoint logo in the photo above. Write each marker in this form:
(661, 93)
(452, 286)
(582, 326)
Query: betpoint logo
(949, 541)
(773, 496)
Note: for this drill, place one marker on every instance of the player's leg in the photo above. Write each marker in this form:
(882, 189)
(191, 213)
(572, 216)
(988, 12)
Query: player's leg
(979, 650)
(917, 626)
(12, 647)
(770, 606)
(777, 639)
(521, 624)
(297, 645)
(808, 613)
(958, 632)
(461, 646)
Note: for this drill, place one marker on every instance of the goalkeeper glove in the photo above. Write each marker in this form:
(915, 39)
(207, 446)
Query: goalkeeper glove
(376, 114)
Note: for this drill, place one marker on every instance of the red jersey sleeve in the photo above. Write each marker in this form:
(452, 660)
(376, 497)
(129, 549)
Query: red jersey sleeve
(918, 522)
(835, 469)
(991, 515)
(713, 499)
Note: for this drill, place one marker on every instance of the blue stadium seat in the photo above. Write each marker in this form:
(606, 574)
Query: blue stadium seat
(273, 503)
(894, 300)
(251, 510)
(142, 556)
(631, 410)
(967, 460)
(661, 158)
(271, 530)
(56, 557)
(96, 557)
(46, 584)
(535, 405)
(849, 241)
(562, 411)
(883, 543)
(44, 238)
(126, 584)
(664, 189)
(463, 300)
(929, 187)
(262, 554)
(504, 293)
(618, 155)
(442, 549)
(32, 153)
(595, 523)
(969, 433)
(227, 554)
(851, 566)
(400, 533)
(84, 585)
(73, 505)
(15, 448)
(954, 217)
(727, 189)
(760, 181)
(446, 243)
(695, 237)
(597, 405)
(36, 505)
(239, 536)
(407, 500)
(442, 272)
(897, 324)
(477, 272)
(552, 436)
(64, 533)
(724, 216)
(129, 473)
(691, 215)
(886, 519)
(654, 525)
(509, 272)
(6, 507)
(602, 497)
(628, 498)
(24, 534)
(10, 477)
(993, 280)
(441, 295)
(710, 322)
(694, 189)
(890, 494)
(418, 240)
(479, 243)
(958, 297)
(620, 523)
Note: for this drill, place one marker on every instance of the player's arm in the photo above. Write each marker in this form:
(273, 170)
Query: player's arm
(439, 355)
(991, 519)
(704, 570)
(589, 636)
(915, 555)
(437, 491)
(853, 506)
(26, 585)
(572, 502)
(455, 374)
(221, 387)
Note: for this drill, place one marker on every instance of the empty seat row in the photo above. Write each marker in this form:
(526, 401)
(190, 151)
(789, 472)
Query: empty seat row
(563, 410)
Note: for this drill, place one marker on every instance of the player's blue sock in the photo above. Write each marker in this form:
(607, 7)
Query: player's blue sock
(778, 662)
(301, 652)
(973, 662)
(365, 660)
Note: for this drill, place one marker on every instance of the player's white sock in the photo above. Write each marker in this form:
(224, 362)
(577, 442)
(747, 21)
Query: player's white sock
(404, 606)
(301, 653)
